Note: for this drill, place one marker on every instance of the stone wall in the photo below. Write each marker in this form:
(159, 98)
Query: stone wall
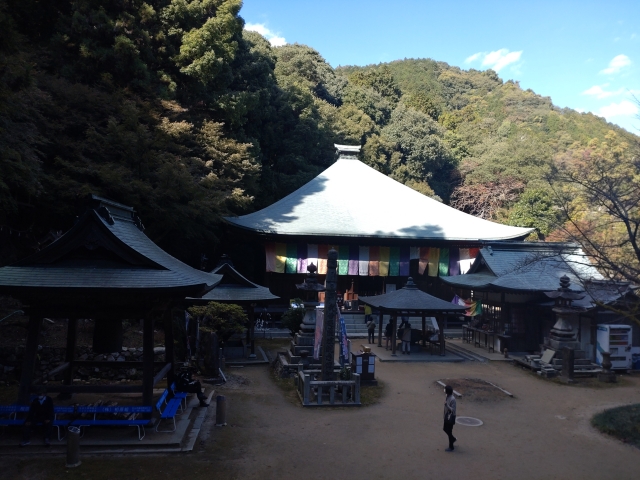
(49, 358)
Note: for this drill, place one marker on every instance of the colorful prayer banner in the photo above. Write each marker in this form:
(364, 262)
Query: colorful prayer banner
(291, 265)
(312, 252)
(323, 253)
(443, 262)
(354, 254)
(434, 258)
(384, 262)
(423, 261)
(405, 255)
(363, 263)
(343, 260)
(270, 255)
(374, 261)
(394, 261)
(454, 261)
(368, 260)
(281, 257)
(303, 255)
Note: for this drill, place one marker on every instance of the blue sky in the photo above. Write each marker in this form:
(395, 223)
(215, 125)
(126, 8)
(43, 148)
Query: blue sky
(583, 54)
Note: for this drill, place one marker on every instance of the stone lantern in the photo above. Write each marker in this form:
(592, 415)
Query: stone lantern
(303, 340)
(562, 334)
(562, 338)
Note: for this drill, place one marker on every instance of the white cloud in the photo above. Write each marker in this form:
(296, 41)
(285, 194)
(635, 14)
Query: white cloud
(274, 39)
(616, 64)
(495, 60)
(624, 108)
(599, 91)
(473, 57)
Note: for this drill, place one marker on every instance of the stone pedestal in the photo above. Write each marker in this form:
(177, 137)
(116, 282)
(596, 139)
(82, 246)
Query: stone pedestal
(607, 375)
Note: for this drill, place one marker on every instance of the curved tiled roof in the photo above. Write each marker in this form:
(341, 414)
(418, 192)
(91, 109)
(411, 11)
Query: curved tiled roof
(351, 199)
(411, 299)
(234, 287)
(105, 249)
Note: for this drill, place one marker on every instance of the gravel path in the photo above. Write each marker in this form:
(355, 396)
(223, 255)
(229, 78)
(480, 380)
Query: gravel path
(541, 433)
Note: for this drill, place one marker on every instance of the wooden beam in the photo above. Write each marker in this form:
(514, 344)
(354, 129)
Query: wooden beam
(111, 364)
(160, 375)
(55, 371)
(147, 354)
(72, 335)
(168, 344)
(95, 389)
(394, 328)
(380, 322)
(29, 361)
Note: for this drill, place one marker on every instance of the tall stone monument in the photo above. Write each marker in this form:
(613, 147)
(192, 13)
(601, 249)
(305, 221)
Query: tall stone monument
(330, 316)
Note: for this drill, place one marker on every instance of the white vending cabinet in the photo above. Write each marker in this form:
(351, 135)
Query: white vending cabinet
(615, 339)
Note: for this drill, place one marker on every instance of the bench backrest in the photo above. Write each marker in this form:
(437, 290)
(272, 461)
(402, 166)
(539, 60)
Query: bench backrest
(63, 410)
(162, 399)
(115, 409)
(14, 408)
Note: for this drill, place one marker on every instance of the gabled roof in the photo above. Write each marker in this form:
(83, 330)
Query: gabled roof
(411, 299)
(105, 250)
(234, 287)
(526, 267)
(351, 199)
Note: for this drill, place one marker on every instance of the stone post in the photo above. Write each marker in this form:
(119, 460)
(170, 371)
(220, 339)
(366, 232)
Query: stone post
(568, 361)
(330, 315)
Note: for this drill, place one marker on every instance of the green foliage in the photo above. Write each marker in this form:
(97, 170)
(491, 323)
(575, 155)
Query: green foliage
(169, 106)
(535, 209)
(292, 318)
(223, 318)
(621, 422)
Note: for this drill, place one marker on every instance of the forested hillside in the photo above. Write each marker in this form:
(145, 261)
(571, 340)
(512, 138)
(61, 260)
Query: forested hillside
(171, 107)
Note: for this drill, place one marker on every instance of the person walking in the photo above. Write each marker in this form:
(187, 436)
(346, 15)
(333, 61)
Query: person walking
(449, 416)
(371, 330)
(406, 338)
(388, 333)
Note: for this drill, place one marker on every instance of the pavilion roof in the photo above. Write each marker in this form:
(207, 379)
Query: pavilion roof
(234, 287)
(529, 267)
(526, 267)
(411, 299)
(105, 250)
(351, 199)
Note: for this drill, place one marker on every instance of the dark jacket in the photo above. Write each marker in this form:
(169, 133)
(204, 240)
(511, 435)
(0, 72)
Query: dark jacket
(40, 412)
(388, 331)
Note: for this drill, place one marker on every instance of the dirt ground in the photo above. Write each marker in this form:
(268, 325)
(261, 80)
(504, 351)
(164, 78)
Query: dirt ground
(541, 433)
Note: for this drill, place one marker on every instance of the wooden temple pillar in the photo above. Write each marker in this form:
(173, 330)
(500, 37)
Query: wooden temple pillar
(168, 345)
(394, 330)
(29, 360)
(380, 321)
(440, 321)
(252, 327)
(70, 354)
(424, 330)
(147, 360)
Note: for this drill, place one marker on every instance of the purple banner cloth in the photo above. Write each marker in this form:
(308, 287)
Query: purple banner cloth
(454, 261)
(354, 256)
(302, 258)
(404, 261)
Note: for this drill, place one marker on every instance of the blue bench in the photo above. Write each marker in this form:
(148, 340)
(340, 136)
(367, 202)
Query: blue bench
(182, 396)
(12, 411)
(167, 410)
(102, 410)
